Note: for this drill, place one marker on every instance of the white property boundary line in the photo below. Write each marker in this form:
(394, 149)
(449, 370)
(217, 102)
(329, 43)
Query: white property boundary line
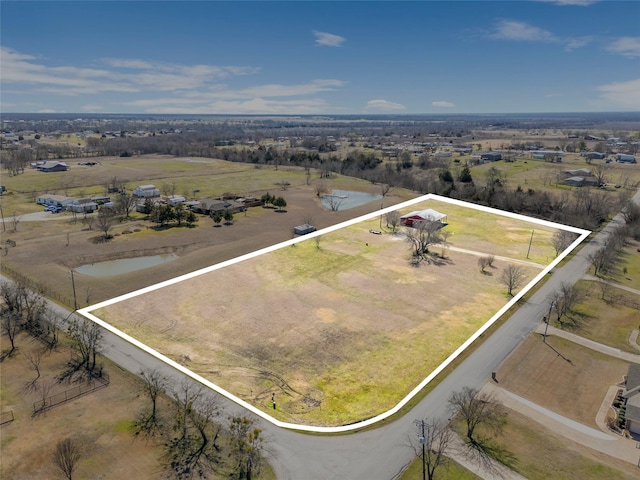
(86, 312)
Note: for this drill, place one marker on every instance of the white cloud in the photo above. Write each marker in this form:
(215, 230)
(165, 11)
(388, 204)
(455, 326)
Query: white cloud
(621, 95)
(442, 104)
(578, 42)
(628, 46)
(121, 75)
(548, 95)
(328, 39)
(520, 31)
(384, 105)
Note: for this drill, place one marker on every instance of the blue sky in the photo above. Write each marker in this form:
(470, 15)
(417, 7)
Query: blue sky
(330, 57)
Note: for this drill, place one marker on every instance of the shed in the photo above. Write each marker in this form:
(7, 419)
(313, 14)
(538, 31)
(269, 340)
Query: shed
(175, 200)
(624, 158)
(490, 156)
(574, 181)
(303, 229)
(429, 215)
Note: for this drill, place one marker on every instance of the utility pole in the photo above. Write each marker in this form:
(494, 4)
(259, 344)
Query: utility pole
(423, 441)
(530, 240)
(73, 285)
(546, 320)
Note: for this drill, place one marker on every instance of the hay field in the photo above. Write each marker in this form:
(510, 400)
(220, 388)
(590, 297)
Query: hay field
(339, 329)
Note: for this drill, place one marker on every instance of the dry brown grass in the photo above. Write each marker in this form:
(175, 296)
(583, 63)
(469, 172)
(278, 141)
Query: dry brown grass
(340, 333)
(561, 376)
(99, 420)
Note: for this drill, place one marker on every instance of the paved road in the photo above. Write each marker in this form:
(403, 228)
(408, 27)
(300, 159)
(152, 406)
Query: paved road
(383, 452)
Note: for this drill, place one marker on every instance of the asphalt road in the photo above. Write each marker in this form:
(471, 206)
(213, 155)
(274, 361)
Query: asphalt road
(381, 453)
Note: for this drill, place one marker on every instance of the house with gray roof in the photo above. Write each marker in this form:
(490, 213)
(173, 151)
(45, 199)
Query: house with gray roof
(632, 396)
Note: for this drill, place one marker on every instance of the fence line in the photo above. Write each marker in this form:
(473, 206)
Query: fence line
(43, 290)
(70, 394)
(6, 417)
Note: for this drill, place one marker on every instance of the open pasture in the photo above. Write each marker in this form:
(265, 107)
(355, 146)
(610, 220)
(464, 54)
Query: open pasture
(338, 328)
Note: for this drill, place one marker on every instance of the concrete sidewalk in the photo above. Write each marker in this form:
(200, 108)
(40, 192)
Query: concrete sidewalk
(608, 443)
(598, 347)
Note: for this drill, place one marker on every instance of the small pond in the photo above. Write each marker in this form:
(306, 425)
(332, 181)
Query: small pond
(339, 200)
(124, 265)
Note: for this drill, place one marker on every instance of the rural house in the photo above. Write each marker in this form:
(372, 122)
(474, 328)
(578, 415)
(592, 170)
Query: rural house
(632, 396)
(207, 206)
(53, 166)
(417, 217)
(146, 191)
(82, 205)
(55, 200)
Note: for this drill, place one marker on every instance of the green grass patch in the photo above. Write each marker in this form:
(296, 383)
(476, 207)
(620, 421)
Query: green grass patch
(606, 315)
(450, 470)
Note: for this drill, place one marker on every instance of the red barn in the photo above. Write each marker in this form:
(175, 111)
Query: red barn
(414, 218)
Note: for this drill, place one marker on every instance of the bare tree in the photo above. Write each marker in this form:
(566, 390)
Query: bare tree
(486, 261)
(393, 220)
(561, 240)
(283, 184)
(321, 188)
(35, 358)
(512, 277)
(385, 188)
(66, 456)
(247, 445)
(169, 188)
(602, 259)
(11, 326)
(475, 409)
(334, 202)
(601, 171)
(421, 237)
(435, 438)
(105, 220)
(564, 299)
(631, 212)
(87, 338)
(192, 448)
(153, 384)
(125, 203)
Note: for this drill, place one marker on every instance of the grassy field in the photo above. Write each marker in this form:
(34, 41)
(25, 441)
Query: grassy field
(538, 453)
(449, 471)
(561, 376)
(334, 328)
(101, 421)
(610, 320)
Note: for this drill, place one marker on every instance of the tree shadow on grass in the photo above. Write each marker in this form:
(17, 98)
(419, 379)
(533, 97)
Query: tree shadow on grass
(484, 451)
(574, 321)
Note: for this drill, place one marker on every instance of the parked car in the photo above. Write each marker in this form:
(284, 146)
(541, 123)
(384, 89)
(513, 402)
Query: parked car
(53, 209)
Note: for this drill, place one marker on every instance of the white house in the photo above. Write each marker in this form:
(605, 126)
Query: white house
(146, 191)
(175, 200)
